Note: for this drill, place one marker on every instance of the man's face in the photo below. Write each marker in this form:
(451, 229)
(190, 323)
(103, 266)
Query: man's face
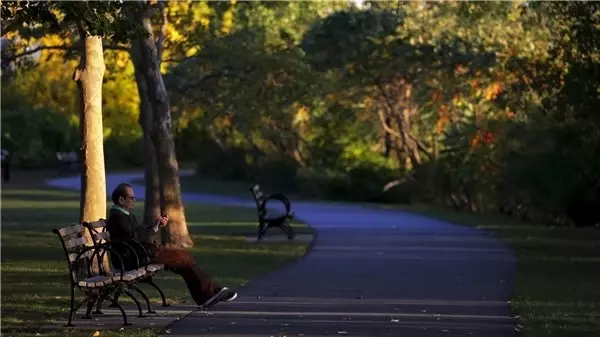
(128, 199)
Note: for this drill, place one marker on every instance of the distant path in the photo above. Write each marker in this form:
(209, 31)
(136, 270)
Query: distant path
(371, 273)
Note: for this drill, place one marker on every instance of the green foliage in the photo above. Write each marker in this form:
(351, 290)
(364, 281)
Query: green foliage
(108, 19)
(33, 136)
(493, 95)
(351, 36)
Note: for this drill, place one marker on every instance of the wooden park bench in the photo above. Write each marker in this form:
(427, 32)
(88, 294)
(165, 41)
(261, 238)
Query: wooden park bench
(67, 160)
(5, 154)
(268, 218)
(87, 273)
(101, 236)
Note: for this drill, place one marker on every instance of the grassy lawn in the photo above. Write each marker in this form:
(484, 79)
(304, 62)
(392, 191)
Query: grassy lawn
(557, 286)
(33, 270)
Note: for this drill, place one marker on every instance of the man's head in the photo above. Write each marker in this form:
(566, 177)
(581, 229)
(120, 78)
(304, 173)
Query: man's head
(124, 196)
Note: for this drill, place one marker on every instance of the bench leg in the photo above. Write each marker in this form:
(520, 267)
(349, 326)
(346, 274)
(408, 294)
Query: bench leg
(118, 305)
(162, 295)
(116, 299)
(74, 311)
(72, 306)
(139, 291)
(137, 303)
(288, 230)
(100, 301)
(98, 310)
(90, 306)
(262, 230)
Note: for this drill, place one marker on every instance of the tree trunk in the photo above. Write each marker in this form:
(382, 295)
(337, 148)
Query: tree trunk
(151, 197)
(176, 233)
(89, 75)
(387, 139)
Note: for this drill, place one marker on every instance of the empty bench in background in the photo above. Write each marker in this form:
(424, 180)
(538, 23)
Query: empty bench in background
(87, 273)
(101, 236)
(67, 160)
(268, 218)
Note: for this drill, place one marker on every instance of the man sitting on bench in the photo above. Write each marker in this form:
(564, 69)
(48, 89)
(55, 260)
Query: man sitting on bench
(122, 224)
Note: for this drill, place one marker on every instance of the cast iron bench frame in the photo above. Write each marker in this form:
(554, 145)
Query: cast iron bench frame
(86, 273)
(100, 236)
(267, 220)
(69, 160)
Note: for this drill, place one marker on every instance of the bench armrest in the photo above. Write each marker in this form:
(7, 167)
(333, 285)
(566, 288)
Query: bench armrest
(96, 249)
(126, 245)
(281, 198)
(145, 259)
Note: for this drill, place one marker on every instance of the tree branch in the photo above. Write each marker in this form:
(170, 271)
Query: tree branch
(386, 127)
(163, 30)
(73, 47)
(182, 89)
(420, 145)
(37, 49)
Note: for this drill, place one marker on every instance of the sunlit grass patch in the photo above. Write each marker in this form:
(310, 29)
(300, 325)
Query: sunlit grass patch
(35, 285)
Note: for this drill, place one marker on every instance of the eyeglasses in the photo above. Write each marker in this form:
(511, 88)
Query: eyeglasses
(130, 197)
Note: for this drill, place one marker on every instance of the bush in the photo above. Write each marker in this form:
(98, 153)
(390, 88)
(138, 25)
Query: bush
(223, 164)
(320, 184)
(33, 136)
(119, 152)
(278, 173)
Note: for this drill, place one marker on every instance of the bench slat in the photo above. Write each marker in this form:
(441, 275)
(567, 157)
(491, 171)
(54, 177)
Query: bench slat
(73, 256)
(97, 224)
(101, 236)
(71, 230)
(75, 243)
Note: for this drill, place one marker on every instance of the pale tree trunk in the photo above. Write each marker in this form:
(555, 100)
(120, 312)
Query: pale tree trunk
(176, 233)
(89, 75)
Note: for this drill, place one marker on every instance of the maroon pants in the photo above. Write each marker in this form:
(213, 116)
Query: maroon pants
(179, 261)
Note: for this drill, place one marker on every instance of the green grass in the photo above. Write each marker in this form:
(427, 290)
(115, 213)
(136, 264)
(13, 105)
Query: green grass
(34, 275)
(557, 285)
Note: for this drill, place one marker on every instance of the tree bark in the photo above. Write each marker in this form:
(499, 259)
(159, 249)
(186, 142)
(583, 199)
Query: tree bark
(399, 109)
(176, 232)
(89, 75)
(152, 196)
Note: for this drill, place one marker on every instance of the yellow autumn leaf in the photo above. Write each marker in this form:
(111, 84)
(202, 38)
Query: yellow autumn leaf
(492, 91)
(96, 334)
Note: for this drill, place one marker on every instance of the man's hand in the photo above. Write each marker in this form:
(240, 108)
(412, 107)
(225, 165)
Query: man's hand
(163, 221)
(160, 222)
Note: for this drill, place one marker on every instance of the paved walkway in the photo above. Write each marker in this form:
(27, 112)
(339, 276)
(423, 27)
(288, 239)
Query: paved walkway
(371, 273)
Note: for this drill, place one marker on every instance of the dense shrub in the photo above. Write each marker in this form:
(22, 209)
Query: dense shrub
(33, 136)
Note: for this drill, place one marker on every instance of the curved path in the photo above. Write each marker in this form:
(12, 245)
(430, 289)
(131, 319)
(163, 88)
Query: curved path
(371, 273)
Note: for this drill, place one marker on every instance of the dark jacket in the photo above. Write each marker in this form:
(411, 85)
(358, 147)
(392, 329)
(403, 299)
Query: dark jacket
(122, 226)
